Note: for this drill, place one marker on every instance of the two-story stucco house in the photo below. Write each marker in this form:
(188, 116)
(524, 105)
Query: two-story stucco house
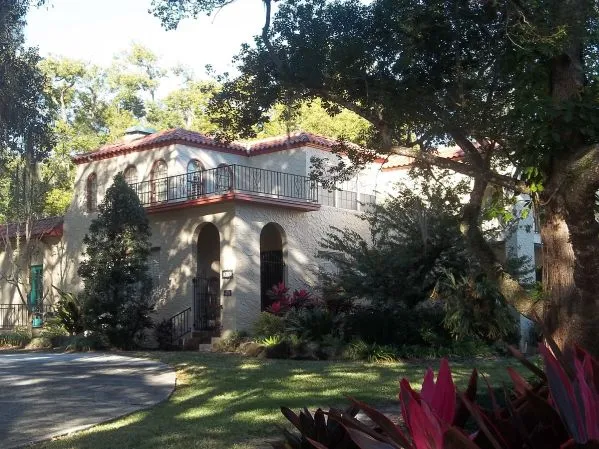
(228, 220)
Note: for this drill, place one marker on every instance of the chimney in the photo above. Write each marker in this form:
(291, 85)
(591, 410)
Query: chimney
(136, 132)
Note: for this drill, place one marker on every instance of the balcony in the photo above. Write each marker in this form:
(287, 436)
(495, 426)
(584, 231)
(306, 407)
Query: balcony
(228, 183)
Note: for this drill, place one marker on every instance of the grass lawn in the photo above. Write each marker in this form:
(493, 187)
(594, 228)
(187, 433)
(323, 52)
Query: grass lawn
(227, 401)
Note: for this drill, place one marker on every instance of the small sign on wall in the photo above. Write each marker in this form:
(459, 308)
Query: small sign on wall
(227, 274)
(227, 293)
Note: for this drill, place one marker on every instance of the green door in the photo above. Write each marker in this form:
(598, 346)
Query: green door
(35, 296)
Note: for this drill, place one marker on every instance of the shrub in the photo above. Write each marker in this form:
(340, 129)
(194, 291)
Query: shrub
(17, 338)
(69, 310)
(163, 332)
(82, 343)
(309, 324)
(268, 324)
(397, 326)
(40, 342)
(117, 287)
(231, 343)
(54, 331)
(475, 308)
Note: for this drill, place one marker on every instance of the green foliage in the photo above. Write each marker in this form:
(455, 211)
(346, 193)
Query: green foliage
(397, 326)
(311, 324)
(268, 324)
(117, 287)
(272, 340)
(232, 342)
(163, 332)
(314, 118)
(69, 311)
(54, 330)
(84, 343)
(475, 308)
(415, 237)
(18, 337)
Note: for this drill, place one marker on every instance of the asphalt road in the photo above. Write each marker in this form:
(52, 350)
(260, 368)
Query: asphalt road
(43, 395)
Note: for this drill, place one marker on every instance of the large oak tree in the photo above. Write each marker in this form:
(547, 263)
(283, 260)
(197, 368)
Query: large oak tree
(511, 82)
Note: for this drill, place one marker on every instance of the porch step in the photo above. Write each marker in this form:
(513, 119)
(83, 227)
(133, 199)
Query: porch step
(205, 347)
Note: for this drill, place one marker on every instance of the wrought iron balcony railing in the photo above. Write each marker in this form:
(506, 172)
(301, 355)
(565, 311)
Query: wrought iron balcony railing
(226, 179)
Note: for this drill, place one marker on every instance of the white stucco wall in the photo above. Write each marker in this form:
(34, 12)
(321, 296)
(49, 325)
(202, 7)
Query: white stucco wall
(303, 232)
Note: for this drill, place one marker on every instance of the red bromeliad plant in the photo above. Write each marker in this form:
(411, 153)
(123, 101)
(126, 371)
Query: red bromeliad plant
(283, 301)
(561, 411)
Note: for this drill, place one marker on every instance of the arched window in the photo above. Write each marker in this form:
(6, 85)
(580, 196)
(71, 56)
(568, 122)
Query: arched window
(130, 175)
(91, 193)
(195, 182)
(159, 182)
(223, 178)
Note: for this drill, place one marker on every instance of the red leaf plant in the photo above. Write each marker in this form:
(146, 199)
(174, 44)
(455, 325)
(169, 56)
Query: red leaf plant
(558, 411)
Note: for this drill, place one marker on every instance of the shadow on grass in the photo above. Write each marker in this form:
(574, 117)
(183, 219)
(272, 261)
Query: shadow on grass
(227, 401)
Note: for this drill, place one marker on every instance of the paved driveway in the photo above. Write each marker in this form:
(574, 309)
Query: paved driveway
(44, 395)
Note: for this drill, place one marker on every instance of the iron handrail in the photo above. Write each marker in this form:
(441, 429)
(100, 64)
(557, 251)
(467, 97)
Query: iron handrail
(225, 179)
(180, 325)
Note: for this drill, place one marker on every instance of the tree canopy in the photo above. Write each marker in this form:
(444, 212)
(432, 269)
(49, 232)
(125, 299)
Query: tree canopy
(513, 83)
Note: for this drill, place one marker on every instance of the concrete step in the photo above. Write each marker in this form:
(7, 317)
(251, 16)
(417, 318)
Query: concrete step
(205, 347)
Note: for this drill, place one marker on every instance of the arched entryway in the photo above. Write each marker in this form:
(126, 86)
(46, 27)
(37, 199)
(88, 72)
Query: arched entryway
(272, 260)
(207, 305)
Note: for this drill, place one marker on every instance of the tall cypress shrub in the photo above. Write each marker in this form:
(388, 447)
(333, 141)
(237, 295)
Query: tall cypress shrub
(117, 286)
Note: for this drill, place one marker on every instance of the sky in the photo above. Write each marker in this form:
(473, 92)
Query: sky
(95, 30)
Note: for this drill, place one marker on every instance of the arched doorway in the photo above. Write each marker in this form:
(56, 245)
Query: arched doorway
(207, 305)
(272, 262)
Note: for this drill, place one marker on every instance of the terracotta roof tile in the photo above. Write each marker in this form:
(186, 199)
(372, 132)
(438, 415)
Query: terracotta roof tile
(51, 226)
(293, 139)
(250, 148)
(161, 138)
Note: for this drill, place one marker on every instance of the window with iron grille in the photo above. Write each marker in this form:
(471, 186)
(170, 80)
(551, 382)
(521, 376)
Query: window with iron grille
(154, 266)
(159, 182)
(91, 192)
(194, 178)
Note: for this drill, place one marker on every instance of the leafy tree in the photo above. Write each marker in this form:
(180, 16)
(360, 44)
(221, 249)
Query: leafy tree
(415, 254)
(512, 83)
(117, 286)
(185, 108)
(313, 117)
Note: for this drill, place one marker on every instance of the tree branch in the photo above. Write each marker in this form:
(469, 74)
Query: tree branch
(482, 173)
(509, 287)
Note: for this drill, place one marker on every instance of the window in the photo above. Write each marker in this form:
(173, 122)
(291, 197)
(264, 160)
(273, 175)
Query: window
(159, 182)
(348, 200)
(326, 197)
(367, 202)
(91, 193)
(195, 185)
(154, 266)
(224, 178)
(130, 175)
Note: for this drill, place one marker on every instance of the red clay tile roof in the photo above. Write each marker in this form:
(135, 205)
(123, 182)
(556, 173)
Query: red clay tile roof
(398, 162)
(192, 138)
(292, 140)
(159, 139)
(51, 226)
(251, 148)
